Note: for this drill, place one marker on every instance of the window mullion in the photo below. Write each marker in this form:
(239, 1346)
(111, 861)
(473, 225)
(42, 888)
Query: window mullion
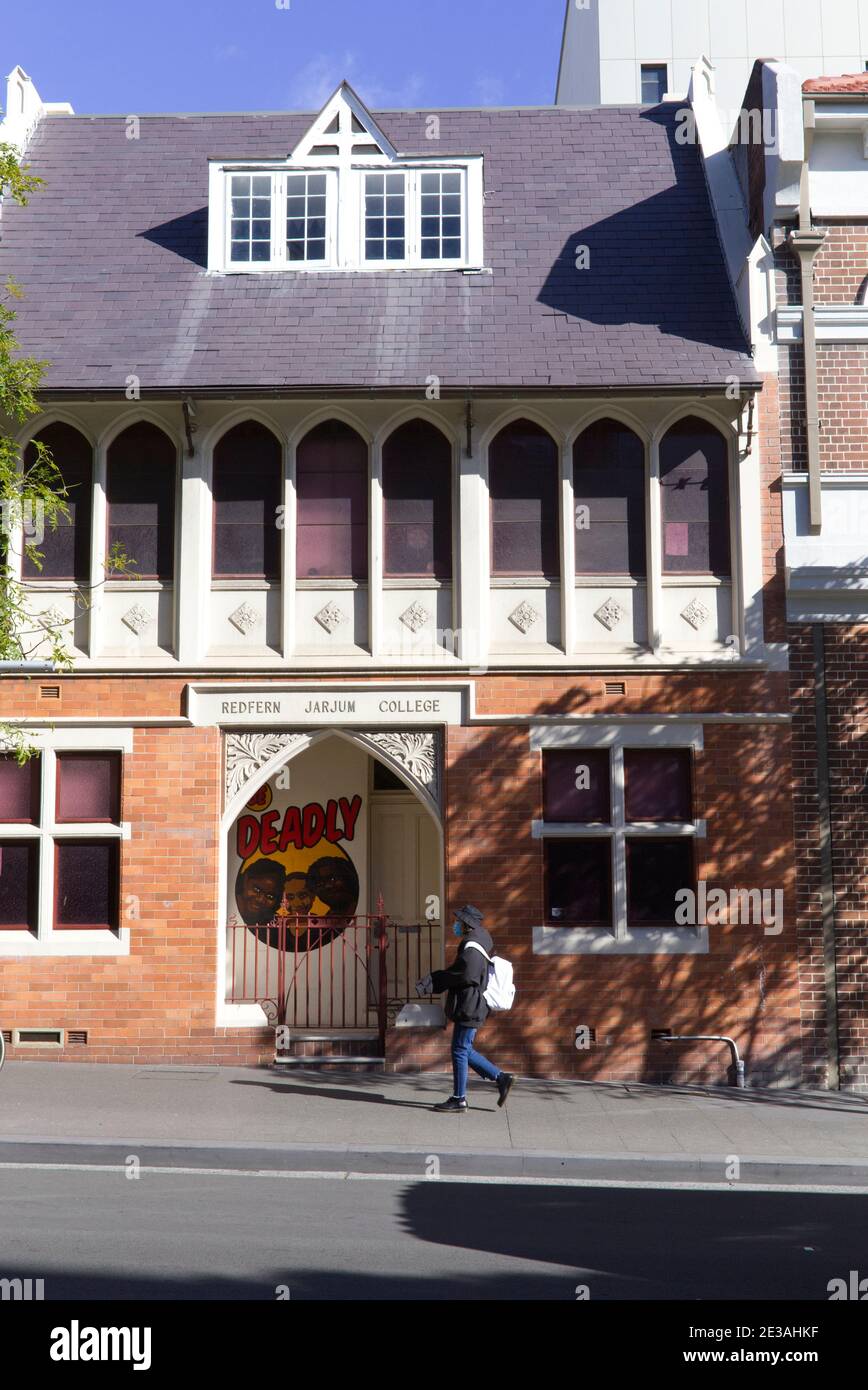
(47, 806)
(411, 224)
(619, 846)
(278, 219)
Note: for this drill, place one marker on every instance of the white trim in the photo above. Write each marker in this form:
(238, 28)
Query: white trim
(833, 323)
(597, 941)
(48, 941)
(605, 731)
(620, 937)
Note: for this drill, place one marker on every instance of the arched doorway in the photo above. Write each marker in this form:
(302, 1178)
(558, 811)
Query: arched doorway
(333, 877)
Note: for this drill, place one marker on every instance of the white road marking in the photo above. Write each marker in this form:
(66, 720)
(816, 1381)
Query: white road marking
(398, 1178)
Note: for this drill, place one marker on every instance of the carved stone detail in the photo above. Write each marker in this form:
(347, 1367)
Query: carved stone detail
(137, 619)
(415, 617)
(696, 614)
(610, 614)
(418, 752)
(247, 754)
(245, 618)
(524, 617)
(331, 617)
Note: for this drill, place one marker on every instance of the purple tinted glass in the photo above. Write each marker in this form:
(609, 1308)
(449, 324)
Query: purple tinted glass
(563, 799)
(247, 487)
(332, 490)
(88, 787)
(417, 501)
(609, 480)
(657, 784)
(694, 483)
(66, 550)
(141, 499)
(523, 486)
(579, 883)
(18, 883)
(19, 789)
(656, 871)
(87, 884)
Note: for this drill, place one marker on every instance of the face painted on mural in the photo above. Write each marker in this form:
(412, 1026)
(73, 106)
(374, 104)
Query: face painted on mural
(258, 891)
(336, 883)
(298, 896)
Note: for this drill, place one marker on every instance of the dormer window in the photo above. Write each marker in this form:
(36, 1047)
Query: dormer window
(345, 199)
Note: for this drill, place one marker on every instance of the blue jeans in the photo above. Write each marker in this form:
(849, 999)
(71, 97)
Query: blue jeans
(463, 1056)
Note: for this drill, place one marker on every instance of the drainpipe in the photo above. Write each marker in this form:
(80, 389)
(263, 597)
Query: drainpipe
(827, 879)
(806, 242)
(27, 667)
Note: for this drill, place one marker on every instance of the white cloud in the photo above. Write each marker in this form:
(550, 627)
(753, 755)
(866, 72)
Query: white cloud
(313, 84)
(490, 90)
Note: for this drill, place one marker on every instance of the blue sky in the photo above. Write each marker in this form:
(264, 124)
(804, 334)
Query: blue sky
(240, 55)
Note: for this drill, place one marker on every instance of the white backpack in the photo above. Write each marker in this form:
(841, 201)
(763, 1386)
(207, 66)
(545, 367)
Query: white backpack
(499, 993)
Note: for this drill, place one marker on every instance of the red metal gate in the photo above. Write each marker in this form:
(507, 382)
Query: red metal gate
(332, 975)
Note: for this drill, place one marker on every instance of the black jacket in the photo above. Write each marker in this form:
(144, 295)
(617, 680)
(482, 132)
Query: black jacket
(466, 979)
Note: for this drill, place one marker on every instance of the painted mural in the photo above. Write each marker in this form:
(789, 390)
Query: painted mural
(295, 881)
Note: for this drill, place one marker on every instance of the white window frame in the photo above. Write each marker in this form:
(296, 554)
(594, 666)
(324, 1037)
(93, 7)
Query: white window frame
(345, 212)
(67, 941)
(620, 939)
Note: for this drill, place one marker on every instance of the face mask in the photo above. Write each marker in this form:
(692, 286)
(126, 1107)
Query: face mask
(458, 929)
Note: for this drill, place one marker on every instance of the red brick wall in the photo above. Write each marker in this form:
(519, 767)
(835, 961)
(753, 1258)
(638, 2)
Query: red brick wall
(846, 653)
(840, 272)
(158, 1003)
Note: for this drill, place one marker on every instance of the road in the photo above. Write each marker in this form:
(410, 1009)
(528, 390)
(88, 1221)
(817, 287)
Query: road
(176, 1235)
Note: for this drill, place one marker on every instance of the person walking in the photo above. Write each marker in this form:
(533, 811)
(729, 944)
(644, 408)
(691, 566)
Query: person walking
(466, 979)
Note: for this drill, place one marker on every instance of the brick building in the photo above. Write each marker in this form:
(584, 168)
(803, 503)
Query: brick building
(435, 440)
(797, 224)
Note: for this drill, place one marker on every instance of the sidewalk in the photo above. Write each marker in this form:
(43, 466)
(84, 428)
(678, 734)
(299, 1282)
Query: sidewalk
(250, 1118)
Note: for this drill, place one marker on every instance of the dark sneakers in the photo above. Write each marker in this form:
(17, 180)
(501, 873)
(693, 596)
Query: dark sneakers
(504, 1085)
(452, 1106)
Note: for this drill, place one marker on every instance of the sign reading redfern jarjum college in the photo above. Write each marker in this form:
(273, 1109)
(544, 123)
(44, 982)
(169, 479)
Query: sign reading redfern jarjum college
(364, 705)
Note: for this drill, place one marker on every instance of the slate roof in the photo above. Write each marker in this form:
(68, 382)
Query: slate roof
(111, 254)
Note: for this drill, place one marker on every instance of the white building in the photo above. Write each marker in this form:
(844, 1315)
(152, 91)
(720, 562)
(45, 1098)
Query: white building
(617, 52)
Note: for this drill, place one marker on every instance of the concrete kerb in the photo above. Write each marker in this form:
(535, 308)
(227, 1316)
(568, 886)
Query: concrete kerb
(413, 1164)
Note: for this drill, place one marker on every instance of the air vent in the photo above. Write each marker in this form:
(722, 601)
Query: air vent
(616, 687)
(37, 1037)
(77, 1037)
(658, 1033)
(49, 692)
(7, 1036)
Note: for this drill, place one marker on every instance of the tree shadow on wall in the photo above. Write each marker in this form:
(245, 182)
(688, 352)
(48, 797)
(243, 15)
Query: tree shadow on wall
(745, 987)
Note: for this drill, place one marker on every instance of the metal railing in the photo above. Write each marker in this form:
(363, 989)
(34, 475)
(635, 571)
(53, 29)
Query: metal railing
(330, 974)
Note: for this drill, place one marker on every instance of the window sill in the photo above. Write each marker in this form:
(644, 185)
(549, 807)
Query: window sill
(69, 941)
(323, 584)
(602, 941)
(523, 581)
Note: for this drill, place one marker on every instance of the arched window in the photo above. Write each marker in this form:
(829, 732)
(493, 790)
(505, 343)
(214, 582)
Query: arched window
(694, 482)
(247, 488)
(609, 494)
(140, 486)
(523, 486)
(332, 490)
(65, 551)
(417, 502)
